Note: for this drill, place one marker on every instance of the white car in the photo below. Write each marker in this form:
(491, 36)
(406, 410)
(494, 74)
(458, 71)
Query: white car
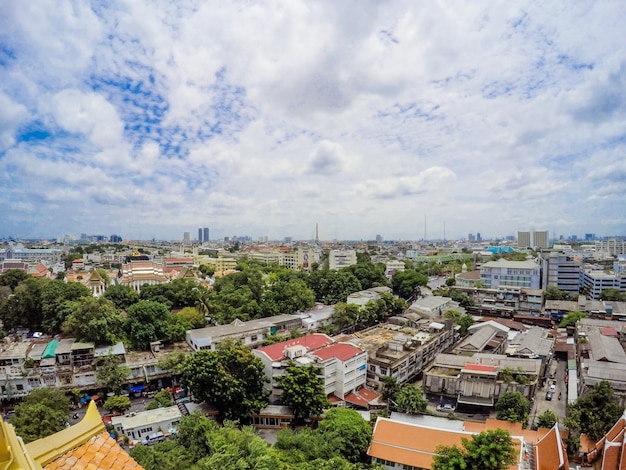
(445, 407)
(553, 388)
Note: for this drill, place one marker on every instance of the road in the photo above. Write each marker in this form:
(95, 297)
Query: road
(540, 404)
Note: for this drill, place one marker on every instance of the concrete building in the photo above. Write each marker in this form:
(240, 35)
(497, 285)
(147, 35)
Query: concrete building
(478, 380)
(610, 248)
(252, 333)
(138, 425)
(561, 271)
(511, 273)
(533, 239)
(338, 259)
(600, 354)
(399, 351)
(364, 296)
(277, 357)
(344, 369)
(17, 251)
(594, 281)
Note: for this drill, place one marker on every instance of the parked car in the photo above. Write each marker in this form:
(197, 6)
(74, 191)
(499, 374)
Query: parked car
(445, 407)
(549, 395)
(553, 388)
(153, 438)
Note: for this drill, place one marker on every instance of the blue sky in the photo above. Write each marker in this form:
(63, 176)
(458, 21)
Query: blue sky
(148, 118)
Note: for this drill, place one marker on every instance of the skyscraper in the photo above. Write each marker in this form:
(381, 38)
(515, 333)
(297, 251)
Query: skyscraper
(533, 239)
(200, 235)
(205, 233)
(186, 238)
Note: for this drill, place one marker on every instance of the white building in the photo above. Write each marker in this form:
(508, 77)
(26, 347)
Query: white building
(364, 296)
(511, 273)
(338, 259)
(138, 425)
(252, 332)
(562, 271)
(593, 282)
(611, 247)
(344, 367)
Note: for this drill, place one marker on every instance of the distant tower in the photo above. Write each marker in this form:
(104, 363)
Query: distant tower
(317, 233)
(200, 235)
(205, 234)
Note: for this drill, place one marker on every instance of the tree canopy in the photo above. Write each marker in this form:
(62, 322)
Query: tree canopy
(406, 282)
(513, 407)
(410, 399)
(303, 390)
(231, 379)
(95, 320)
(43, 412)
(595, 412)
(111, 374)
(488, 450)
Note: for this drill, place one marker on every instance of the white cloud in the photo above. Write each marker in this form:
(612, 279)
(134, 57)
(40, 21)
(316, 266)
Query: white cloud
(263, 118)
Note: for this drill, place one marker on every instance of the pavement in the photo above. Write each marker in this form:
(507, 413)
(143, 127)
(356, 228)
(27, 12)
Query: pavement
(540, 404)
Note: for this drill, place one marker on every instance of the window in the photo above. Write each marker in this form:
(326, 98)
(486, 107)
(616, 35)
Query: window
(19, 387)
(253, 338)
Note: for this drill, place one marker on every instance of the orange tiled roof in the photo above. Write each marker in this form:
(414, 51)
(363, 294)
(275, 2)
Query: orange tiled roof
(550, 453)
(100, 452)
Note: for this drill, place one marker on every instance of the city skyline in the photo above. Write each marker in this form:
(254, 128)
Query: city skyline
(141, 118)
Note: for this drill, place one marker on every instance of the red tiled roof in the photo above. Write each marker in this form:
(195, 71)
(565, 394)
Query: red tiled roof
(100, 451)
(362, 397)
(276, 352)
(480, 367)
(341, 351)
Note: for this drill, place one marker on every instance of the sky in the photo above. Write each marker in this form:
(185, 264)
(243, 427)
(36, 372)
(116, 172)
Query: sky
(151, 118)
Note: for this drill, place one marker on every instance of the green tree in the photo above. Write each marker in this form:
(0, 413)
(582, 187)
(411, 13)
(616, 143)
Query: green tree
(230, 378)
(463, 321)
(405, 283)
(23, 308)
(43, 412)
(572, 318)
(286, 297)
(613, 295)
(54, 298)
(168, 455)
(410, 399)
(390, 387)
(161, 400)
(331, 287)
(12, 278)
(554, 293)
(349, 433)
(369, 274)
(111, 374)
(95, 320)
(547, 419)
(345, 315)
(192, 317)
(303, 390)
(595, 412)
(146, 321)
(488, 450)
(122, 296)
(173, 362)
(513, 407)
(117, 403)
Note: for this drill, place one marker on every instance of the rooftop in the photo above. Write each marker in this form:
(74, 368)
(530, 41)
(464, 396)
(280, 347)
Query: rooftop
(276, 352)
(341, 351)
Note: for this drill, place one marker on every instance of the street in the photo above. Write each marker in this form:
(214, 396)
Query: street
(540, 404)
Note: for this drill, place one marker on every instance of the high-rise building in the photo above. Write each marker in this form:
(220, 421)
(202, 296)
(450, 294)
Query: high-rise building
(478, 237)
(205, 234)
(186, 238)
(533, 239)
(561, 271)
(200, 235)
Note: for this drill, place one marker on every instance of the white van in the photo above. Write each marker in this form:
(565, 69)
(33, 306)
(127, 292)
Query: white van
(153, 438)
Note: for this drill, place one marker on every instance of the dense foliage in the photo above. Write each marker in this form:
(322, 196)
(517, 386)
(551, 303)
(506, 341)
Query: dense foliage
(595, 412)
(204, 444)
(488, 450)
(43, 412)
(231, 379)
(513, 407)
(303, 390)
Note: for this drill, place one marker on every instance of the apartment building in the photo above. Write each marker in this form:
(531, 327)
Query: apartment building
(594, 281)
(562, 271)
(478, 380)
(67, 364)
(611, 247)
(533, 239)
(504, 301)
(252, 333)
(399, 351)
(338, 259)
(511, 273)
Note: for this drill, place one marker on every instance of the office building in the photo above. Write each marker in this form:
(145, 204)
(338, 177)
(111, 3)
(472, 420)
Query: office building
(205, 234)
(511, 273)
(611, 247)
(561, 271)
(186, 238)
(533, 239)
(338, 259)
